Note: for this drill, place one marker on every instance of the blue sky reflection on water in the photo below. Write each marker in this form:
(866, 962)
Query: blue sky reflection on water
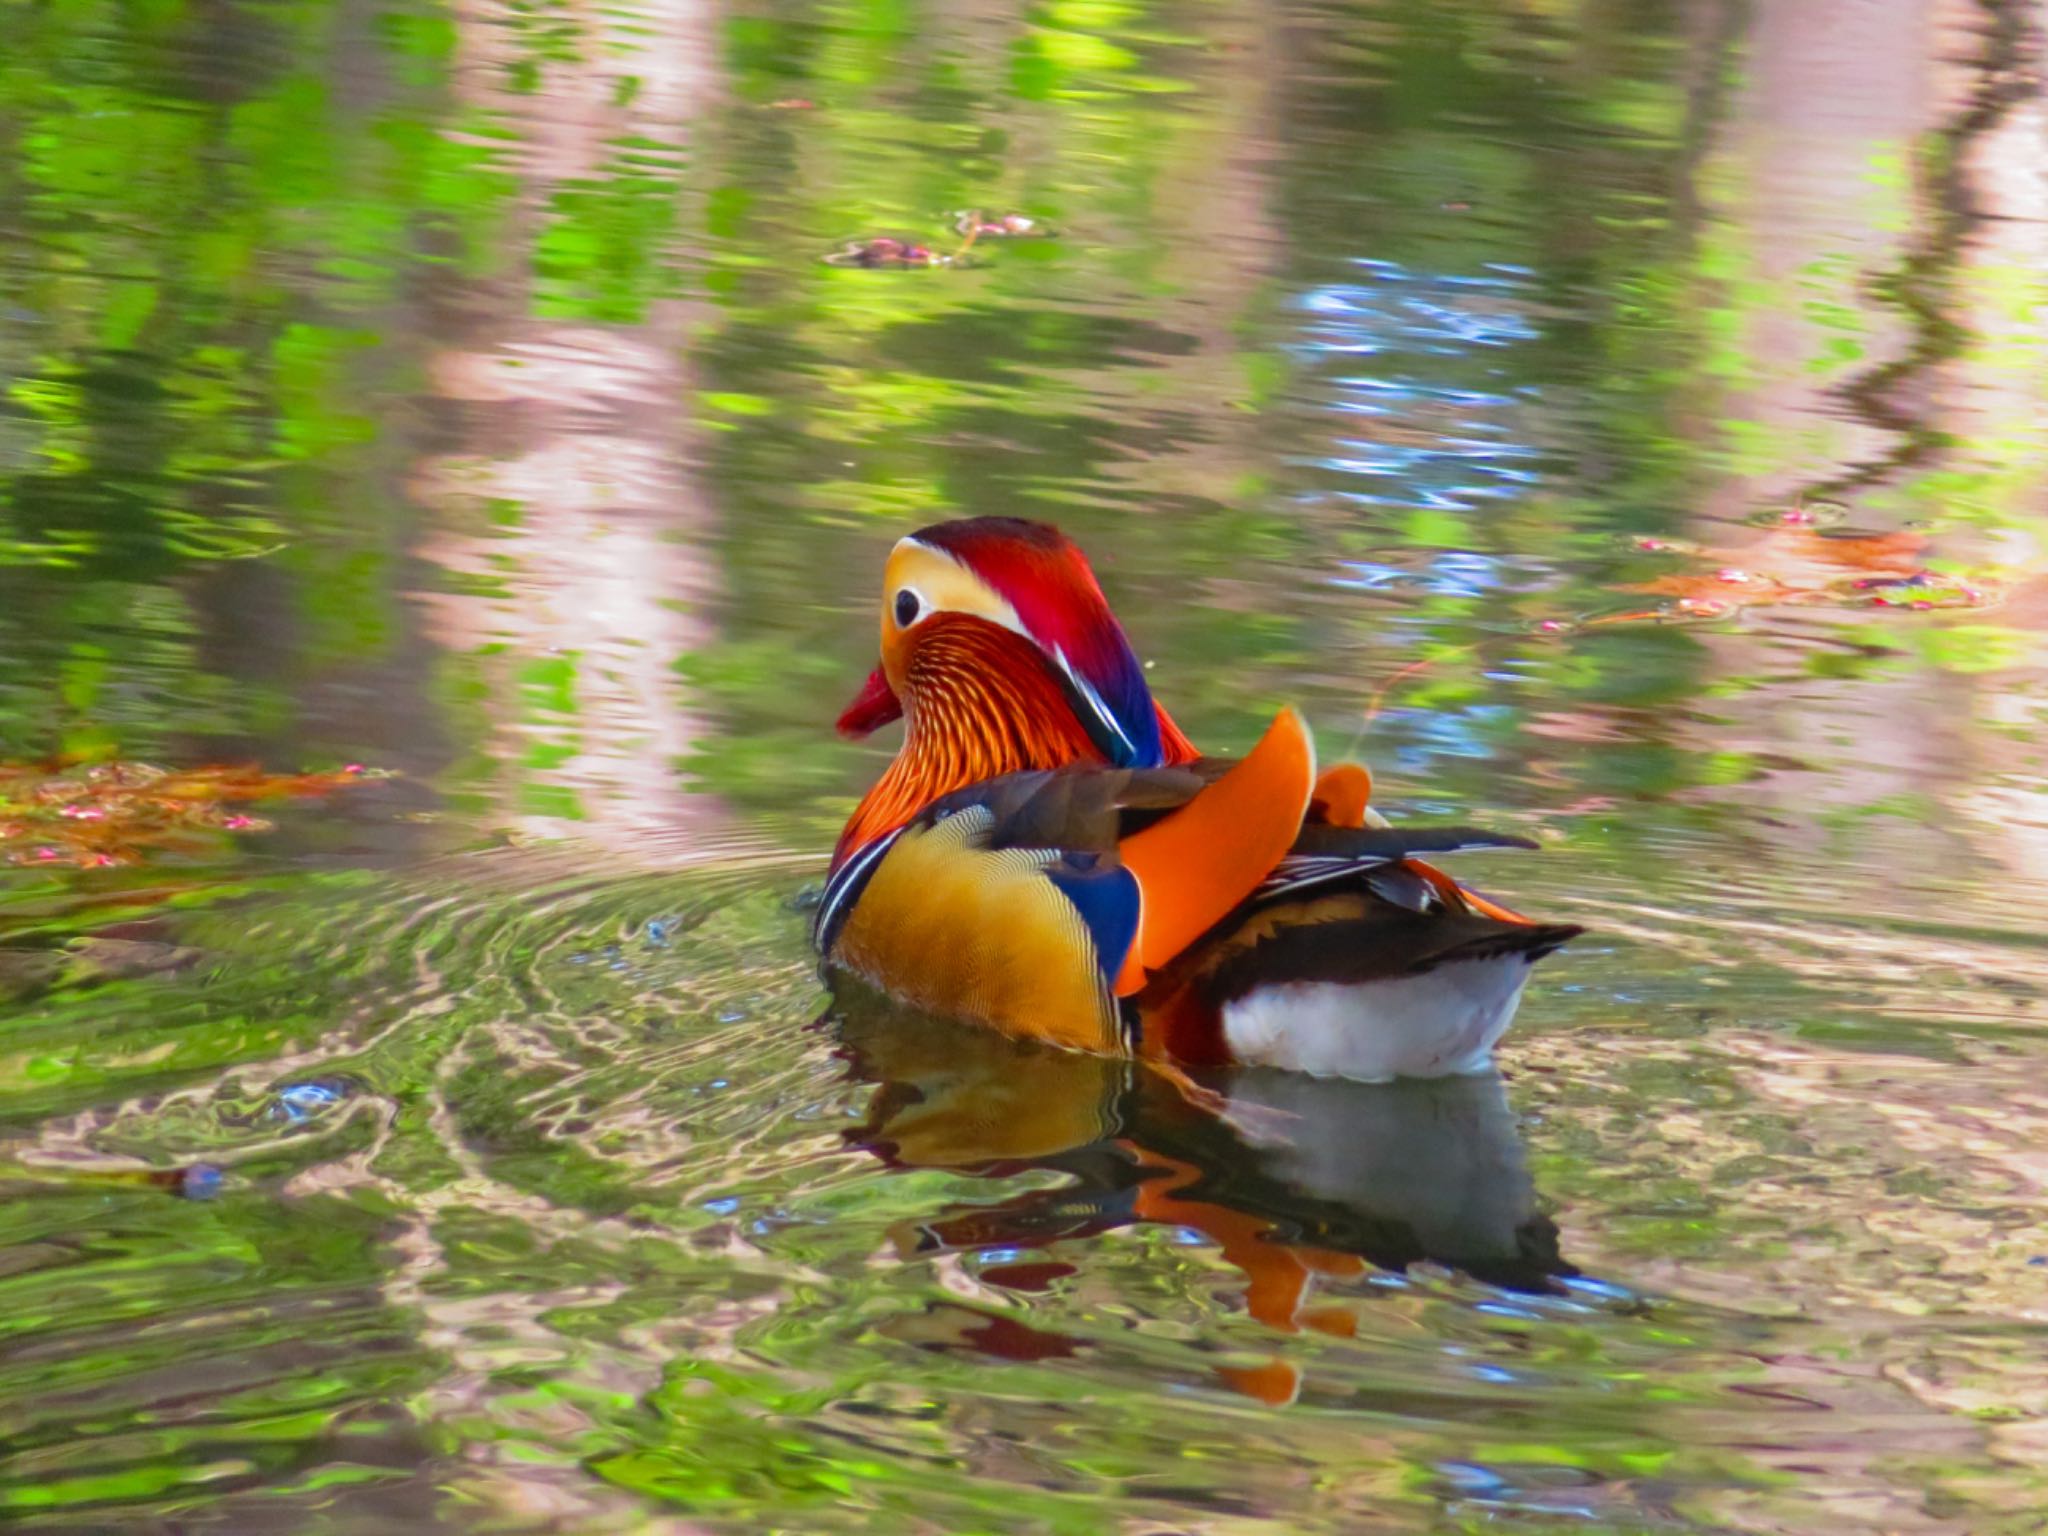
(1434, 424)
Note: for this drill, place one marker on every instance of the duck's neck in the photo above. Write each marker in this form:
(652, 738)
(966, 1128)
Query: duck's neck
(978, 701)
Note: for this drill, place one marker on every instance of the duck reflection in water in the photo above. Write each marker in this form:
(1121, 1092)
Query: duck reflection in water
(1294, 1178)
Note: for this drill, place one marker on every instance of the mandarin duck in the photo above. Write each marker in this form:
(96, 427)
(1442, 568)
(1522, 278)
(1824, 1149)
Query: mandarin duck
(1050, 855)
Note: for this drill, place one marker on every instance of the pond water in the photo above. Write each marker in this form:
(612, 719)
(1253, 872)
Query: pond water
(1621, 422)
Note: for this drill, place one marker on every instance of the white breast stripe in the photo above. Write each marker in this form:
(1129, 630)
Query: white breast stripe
(844, 886)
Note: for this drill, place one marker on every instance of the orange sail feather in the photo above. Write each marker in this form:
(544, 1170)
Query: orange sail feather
(1194, 865)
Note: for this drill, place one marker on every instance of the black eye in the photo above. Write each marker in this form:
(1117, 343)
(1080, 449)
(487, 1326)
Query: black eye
(907, 605)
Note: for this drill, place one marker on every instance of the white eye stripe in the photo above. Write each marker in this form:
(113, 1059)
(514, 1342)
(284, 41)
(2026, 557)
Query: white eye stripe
(946, 584)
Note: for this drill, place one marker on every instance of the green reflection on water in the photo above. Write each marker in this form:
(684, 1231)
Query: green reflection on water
(458, 389)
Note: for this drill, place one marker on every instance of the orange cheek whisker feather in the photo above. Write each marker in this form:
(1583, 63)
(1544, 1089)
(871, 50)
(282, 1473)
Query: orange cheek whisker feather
(978, 702)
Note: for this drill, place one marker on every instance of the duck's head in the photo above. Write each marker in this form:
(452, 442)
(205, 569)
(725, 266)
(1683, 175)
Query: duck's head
(999, 650)
(1001, 594)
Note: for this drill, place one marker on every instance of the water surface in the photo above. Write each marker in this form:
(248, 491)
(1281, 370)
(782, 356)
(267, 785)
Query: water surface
(1620, 422)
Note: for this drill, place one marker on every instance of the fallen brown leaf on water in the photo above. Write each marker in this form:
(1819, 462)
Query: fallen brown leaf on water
(886, 251)
(1000, 226)
(1794, 564)
(119, 813)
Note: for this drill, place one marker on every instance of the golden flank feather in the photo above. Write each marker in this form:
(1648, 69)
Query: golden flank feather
(950, 926)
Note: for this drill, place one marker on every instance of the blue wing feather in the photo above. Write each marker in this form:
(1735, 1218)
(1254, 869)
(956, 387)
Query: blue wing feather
(1106, 896)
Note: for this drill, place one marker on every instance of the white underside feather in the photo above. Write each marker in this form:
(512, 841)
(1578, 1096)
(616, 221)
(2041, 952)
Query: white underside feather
(1442, 1022)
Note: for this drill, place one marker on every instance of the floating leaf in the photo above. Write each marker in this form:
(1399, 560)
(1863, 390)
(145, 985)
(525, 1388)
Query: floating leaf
(886, 251)
(121, 813)
(977, 225)
(1797, 563)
